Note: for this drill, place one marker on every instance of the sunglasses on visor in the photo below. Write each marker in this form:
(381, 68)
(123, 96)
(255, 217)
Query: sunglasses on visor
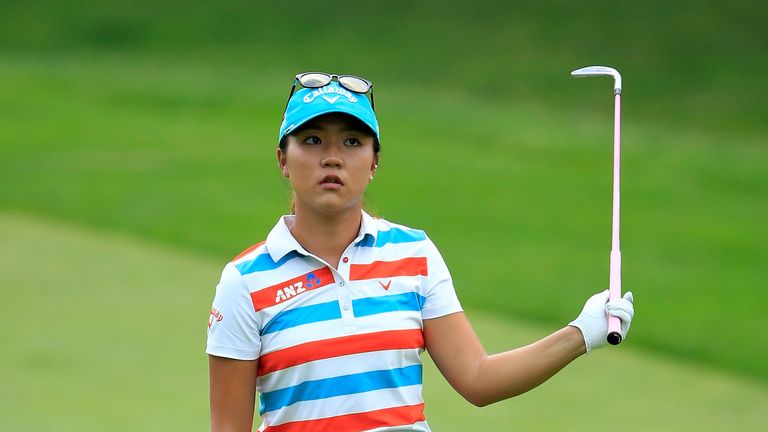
(322, 79)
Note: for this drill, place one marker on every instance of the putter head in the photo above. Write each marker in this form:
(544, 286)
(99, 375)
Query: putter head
(591, 71)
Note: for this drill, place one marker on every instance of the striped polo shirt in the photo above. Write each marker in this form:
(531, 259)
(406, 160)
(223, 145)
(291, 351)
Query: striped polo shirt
(337, 349)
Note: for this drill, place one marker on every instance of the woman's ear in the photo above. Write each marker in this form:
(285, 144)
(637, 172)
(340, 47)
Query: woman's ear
(282, 161)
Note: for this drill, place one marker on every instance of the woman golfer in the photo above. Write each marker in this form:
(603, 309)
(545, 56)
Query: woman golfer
(326, 319)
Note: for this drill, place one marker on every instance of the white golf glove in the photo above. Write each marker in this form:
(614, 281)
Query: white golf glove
(593, 319)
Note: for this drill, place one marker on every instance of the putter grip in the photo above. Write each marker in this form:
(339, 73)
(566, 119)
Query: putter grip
(614, 323)
(614, 330)
(614, 337)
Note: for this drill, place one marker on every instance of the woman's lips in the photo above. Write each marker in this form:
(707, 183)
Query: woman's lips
(331, 182)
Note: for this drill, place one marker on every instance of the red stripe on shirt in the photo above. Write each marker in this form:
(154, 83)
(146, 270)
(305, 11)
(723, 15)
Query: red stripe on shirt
(340, 346)
(397, 416)
(247, 251)
(291, 288)
(386, 269)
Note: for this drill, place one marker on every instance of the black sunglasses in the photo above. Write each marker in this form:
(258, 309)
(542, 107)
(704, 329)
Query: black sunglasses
(322, 79)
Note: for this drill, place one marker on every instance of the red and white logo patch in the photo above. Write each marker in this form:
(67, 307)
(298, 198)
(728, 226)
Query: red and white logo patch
(214, 317)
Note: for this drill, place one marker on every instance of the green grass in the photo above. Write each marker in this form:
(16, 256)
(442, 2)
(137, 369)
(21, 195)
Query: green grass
(684, 62)
(155, 124)
(517, 195)
(107, 332)
(102, 332)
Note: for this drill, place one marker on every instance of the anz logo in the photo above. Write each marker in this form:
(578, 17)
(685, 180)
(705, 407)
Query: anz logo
(297, 288)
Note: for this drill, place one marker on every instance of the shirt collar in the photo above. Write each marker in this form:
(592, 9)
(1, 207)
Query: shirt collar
(280, 242)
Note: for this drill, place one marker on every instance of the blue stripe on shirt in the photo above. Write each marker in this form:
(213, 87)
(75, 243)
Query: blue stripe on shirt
(339, 386)
(392, 235)
(303, 315)
(264, 262)
(409, 301)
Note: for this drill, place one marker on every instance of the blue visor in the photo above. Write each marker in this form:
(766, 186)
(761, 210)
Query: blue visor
(308, 103)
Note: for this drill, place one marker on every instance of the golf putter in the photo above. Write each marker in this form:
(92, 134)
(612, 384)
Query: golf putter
(614, 286)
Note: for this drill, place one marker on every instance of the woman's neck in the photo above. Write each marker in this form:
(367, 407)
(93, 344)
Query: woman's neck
(326, 236)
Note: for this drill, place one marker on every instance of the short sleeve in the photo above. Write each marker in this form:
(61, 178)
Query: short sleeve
(439, 294)
(233, 328)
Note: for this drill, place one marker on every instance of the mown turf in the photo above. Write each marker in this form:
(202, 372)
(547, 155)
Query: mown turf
(516, 195)
(685, 62)
(107, 332)
(102, 332)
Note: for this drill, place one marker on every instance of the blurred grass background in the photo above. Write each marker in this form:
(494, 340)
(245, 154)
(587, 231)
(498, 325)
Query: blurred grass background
(159, 122)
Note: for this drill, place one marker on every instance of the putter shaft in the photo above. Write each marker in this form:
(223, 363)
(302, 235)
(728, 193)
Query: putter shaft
(614, 286)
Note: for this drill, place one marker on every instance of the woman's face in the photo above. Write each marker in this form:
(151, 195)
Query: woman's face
(329, 162)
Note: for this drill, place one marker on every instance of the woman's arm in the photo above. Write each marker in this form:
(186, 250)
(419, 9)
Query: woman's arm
(233, 393)
(483, 379)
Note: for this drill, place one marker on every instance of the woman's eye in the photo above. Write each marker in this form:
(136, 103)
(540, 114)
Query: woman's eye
(312, 140)
(352, 142)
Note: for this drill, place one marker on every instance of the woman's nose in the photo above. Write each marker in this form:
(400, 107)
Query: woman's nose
(331, 161)
(331, 157)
